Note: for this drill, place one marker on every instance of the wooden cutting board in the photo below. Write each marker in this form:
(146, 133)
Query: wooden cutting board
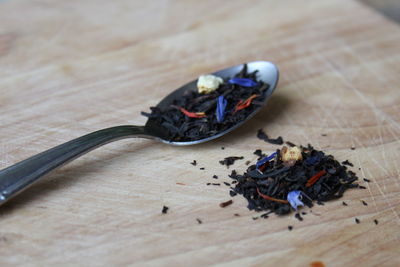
(71, 67)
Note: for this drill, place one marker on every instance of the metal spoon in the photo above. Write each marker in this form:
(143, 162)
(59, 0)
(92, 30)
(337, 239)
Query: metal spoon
(19, 176)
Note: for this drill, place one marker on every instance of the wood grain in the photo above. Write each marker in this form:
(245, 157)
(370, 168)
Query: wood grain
(68, 68)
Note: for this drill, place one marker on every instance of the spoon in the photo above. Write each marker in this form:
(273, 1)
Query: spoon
(19, 176)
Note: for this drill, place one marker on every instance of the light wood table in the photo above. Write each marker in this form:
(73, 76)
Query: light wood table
(71, 67)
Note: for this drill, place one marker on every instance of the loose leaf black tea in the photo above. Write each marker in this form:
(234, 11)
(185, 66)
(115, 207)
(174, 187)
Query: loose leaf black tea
(226, 203)
(290, 144)
(209, 111)
(293, 177)
(164, 209)
(263, 136)
(228, 161)
(348, 163)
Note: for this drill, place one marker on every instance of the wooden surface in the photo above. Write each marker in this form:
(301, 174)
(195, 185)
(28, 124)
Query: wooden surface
(71, 67)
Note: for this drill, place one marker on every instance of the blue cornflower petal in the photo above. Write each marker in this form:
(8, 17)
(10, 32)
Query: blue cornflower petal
(294, 199)
(243, 82)
(221, 106)
(264, 160)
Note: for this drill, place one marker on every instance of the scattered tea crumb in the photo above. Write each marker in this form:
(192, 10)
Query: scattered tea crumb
(216, 184)
(237, 214)
(290, 227)
(258, 153)
(303, 213)
(222, 147)
(194, 163)
(298, 216)
(263, 136)
(226, 203)
(359, 169)
(367, 180)
(165, 209)
(344, 203)
(227, 184)
(255, 218)
(202, 168)
(290, 144)
(229, 161)
(248, 162)
(199, 221)
(324, 134)
(357, 220)
(208, 183)
(265, 215)
(348, 163)
(361, 187)
(233, 174)
(181, 183)
(215, 176)
(352, 148)
(232, 193)
(364, 203)
(376, 222)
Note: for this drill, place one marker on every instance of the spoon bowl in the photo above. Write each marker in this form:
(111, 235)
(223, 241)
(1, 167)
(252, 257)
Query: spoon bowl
(18, 177)
(267, 73)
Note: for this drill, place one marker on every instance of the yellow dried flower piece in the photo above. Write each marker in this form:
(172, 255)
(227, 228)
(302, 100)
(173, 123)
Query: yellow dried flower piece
(291, 155)
(208, 83)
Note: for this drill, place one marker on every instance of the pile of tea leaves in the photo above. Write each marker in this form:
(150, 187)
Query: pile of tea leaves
(291, 177)
(219, 104)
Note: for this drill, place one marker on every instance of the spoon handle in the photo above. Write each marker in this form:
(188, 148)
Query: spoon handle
(19, 176)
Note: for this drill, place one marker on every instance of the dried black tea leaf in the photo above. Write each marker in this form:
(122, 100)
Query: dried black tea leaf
(290, 144)
(229, 161)
(348, 163)
(226, 203)
(164, 209)
(263, 136)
